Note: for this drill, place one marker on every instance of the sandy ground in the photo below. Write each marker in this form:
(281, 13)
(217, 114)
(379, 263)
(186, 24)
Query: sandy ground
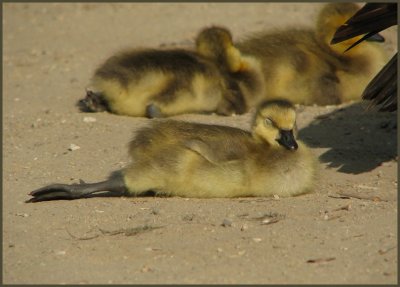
(344, 232)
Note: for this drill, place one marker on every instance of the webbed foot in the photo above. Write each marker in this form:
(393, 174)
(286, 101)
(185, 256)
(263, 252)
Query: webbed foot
(57, 191)
(93, 102)
(115, 184)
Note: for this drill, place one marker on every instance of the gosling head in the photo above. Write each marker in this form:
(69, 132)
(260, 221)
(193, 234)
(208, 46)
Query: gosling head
(331, 17)
(216, 43)
(275, 124)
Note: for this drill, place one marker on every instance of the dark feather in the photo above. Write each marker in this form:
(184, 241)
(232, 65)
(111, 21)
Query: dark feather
(371, 17)
(382, 90)
(369, 20)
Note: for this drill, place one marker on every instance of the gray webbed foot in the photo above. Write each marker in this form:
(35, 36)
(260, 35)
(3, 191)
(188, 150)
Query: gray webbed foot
(93, 102)
(57, 191)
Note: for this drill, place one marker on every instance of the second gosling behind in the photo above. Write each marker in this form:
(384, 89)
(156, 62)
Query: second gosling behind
(300, 64)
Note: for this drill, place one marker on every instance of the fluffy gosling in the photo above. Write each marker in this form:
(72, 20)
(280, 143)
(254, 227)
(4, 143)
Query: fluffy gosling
(205, 161)
(301, 65)
(161, 83)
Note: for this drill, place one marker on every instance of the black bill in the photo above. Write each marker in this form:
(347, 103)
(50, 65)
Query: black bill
(287, 140)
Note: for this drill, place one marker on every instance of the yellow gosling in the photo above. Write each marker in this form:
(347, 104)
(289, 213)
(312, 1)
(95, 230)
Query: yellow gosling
(300, 64)
(207, 161)
(160, 83)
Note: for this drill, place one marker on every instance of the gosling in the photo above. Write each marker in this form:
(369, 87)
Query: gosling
(162, 83)
(206, 161)
(301, 65)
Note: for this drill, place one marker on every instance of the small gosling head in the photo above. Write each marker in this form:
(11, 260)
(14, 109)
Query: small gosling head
(275, 124)
(216, 43)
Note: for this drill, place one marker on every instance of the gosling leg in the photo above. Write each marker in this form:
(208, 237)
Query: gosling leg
(153, 111)
(114, 185)
(166, 98)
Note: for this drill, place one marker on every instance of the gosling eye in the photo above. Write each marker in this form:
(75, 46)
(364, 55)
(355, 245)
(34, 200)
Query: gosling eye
(268, 121)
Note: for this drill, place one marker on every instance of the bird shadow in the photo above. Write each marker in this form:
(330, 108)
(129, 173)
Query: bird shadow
(358, 141)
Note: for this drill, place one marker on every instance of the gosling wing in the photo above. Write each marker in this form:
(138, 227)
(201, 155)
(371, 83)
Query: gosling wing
(215, 151)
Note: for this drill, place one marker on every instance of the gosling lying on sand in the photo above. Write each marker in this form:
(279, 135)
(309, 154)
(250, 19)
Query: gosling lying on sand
(204, 161)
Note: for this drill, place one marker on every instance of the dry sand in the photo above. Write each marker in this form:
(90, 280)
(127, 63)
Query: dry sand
(344, 232)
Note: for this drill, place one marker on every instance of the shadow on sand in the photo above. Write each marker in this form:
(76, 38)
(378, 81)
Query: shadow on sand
(358, 140)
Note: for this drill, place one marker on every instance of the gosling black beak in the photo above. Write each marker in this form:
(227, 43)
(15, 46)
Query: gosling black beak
(287, 140)
(375, 38)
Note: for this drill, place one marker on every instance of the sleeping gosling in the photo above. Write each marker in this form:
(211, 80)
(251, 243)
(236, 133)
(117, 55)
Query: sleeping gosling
(162, 83)
(301, 65)
(184, 159)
